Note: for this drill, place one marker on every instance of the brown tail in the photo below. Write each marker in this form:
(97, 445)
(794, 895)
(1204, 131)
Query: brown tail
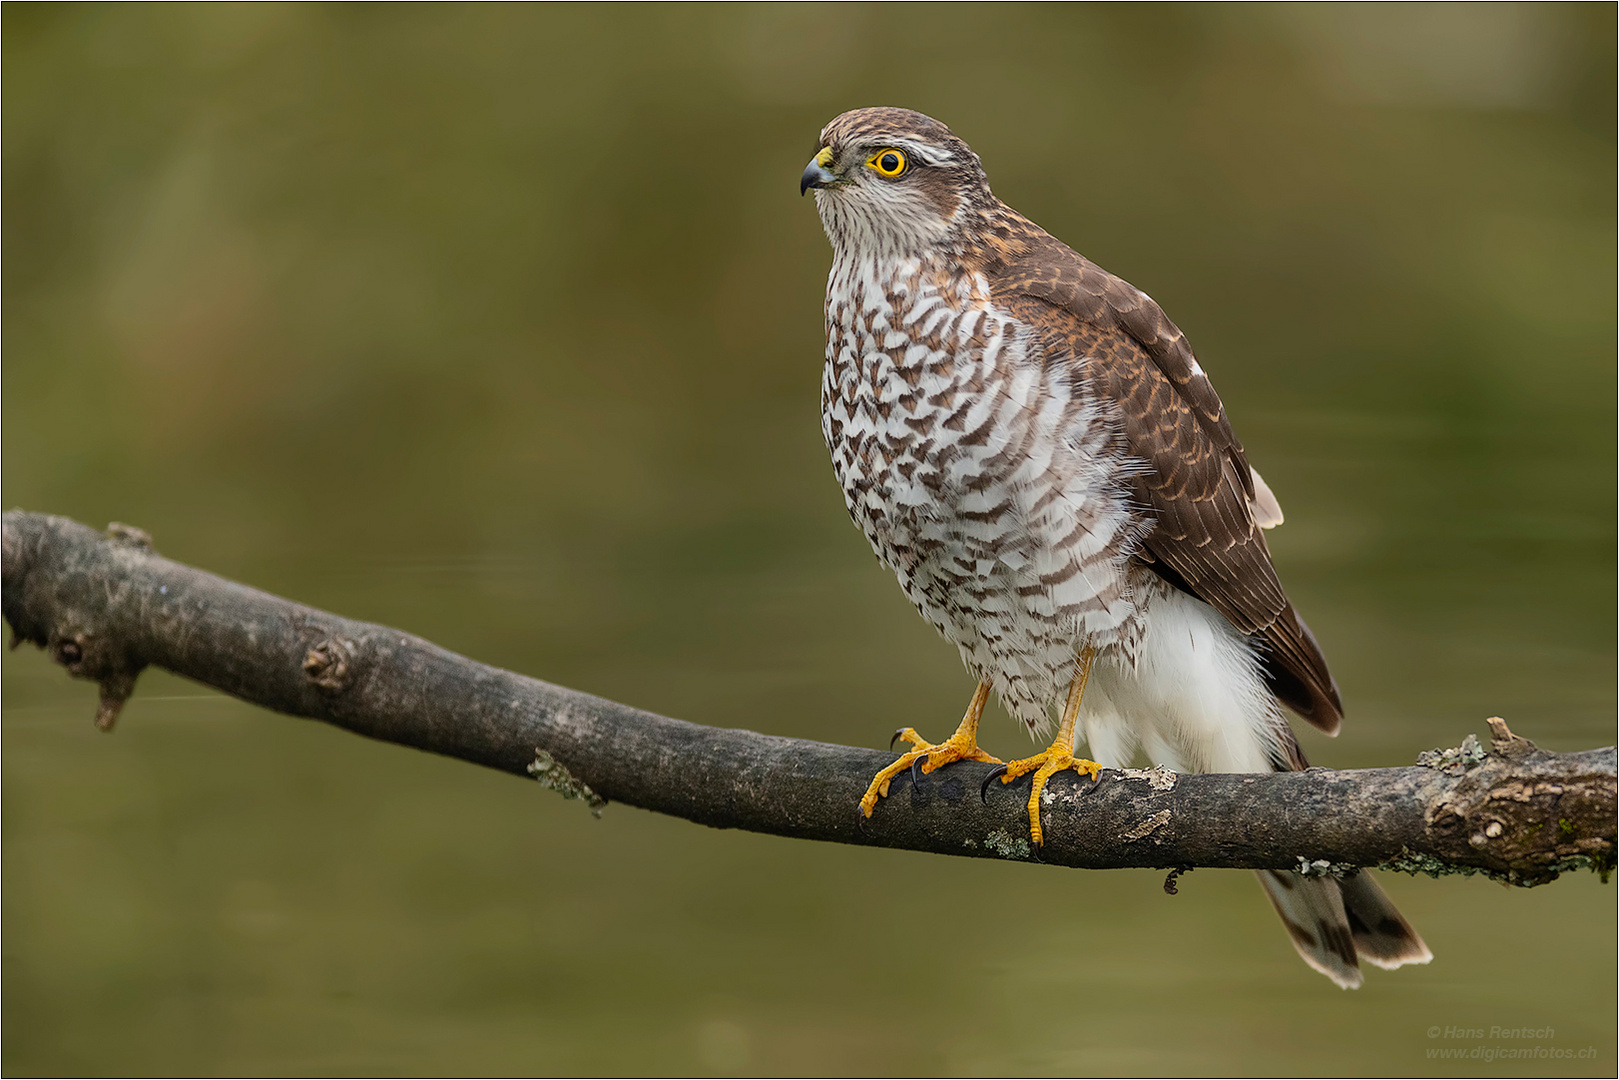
(1382, 936)
(1335, 924)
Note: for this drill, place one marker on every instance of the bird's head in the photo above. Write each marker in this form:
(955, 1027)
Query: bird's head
(893, 181)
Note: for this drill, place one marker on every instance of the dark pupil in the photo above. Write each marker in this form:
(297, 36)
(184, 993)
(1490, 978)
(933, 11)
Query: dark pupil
(890, 163)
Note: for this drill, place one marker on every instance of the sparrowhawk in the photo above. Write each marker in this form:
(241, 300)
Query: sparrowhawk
(1030, 445)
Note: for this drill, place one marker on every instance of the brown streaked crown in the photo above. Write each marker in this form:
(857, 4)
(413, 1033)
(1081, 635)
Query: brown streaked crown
(882, 123)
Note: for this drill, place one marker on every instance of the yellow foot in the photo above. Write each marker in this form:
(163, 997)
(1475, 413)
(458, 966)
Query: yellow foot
(1059, 755)
(1046, 764)
(931, 756)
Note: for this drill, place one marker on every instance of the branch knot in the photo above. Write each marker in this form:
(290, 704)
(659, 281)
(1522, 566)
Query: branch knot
(326, 664)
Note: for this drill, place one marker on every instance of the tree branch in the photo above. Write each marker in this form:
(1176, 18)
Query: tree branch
(106, 606)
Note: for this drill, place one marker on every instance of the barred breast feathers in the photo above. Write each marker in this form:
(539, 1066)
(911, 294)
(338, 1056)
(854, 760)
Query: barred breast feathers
(991, 481)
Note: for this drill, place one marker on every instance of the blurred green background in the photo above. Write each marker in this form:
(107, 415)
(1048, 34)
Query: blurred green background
(503, 325)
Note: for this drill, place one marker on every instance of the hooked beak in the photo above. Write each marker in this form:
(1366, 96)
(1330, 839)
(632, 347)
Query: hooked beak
(816, 174)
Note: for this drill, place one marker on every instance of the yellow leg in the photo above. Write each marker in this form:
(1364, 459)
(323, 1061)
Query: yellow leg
(1060, 754)
(962, 746)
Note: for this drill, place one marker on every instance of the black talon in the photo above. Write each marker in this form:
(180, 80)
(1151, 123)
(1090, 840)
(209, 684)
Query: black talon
(860, 821)
(897, 733)
(916, 777)
(983, 792)
(1096, 782)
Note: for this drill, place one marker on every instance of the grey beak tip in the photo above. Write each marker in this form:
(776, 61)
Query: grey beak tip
(815, 176)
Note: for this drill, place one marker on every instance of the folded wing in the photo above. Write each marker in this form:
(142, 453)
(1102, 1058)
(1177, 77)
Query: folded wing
(1209, 504)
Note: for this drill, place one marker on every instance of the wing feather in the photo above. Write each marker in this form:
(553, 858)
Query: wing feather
(1209, 504)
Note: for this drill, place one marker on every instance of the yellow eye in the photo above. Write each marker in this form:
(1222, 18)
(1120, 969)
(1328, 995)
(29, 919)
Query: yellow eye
(889, 163)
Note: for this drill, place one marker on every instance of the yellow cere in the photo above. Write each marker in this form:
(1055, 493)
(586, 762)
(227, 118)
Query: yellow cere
(824, 158)
(888, 163)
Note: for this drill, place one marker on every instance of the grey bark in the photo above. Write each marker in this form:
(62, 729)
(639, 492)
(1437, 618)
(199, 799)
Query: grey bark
(107, 605)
